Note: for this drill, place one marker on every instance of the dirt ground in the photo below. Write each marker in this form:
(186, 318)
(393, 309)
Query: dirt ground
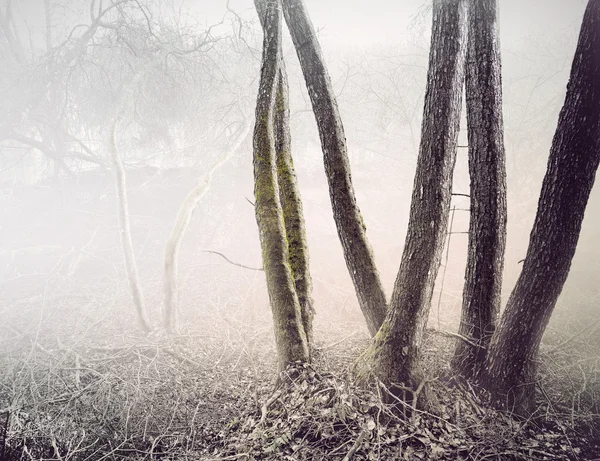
(79, 382)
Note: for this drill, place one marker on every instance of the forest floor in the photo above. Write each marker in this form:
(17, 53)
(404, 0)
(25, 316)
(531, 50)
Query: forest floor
(91, 387)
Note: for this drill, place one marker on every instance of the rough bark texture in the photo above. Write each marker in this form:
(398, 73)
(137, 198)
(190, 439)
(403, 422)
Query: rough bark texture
(182, 222)
(289, 194)
(350, 225)
(487, 228)
(292, 345)
(125, 233)
(393, 355)
(570, 174)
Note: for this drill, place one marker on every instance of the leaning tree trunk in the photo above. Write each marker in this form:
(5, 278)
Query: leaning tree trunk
(350, 225)
(292, 345)
(393, 355)
(125, 232)
(182, 222)
(289, 194)
(572, 165)
(487, 228)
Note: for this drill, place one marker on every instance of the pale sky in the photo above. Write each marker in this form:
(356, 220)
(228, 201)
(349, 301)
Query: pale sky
(360, 21)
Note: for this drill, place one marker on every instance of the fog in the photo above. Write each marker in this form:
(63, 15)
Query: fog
(59, 230)
(161, 96)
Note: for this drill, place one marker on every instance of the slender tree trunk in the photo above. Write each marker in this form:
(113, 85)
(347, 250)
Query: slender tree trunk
(572, 165)
(292, 345)
(182, 222)
(487, 228)
(289, 194)
(393, 355)
(125, 233)
(350, 225)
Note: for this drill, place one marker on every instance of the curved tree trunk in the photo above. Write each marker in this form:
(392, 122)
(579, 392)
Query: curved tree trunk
(393, 355)
(487, 228)
(350, 225)
(125, 232)
(173, 245)
(289, 194)
(572, 165)
(292, 345)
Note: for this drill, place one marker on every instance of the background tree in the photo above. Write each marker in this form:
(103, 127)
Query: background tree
(393, 355)
(350, 225)
(292, 344)
(487, 227)
(570, 175)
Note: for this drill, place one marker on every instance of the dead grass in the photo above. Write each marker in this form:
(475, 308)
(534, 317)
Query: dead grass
(77, 382)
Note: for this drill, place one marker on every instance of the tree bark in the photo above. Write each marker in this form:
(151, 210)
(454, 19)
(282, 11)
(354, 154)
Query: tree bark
(292, 345)
(350, 225)
(289, 195)
(487, 170)
(393, 355)
(572, 165)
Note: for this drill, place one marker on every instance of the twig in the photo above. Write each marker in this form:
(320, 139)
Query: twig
(329, 346)
(233, 262)
(355, 446)
(456, 335)
(265, 408)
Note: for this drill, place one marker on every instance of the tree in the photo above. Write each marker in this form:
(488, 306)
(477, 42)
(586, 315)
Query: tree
(350, 225)
(570, 174)
(392, 357)
(182, 222)
(289, 195)
(292, 344)
(125, 232)
(487, 228)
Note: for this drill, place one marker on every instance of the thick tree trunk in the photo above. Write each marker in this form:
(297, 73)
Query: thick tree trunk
(487, 228)
(292, 345)
(125, 233)
(350, 225)
(393, 355)
(572, 165)
(289, 194)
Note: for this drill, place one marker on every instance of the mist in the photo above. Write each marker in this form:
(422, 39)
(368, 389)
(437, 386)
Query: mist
(168, 90)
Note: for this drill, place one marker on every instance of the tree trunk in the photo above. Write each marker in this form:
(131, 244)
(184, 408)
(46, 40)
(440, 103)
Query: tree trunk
(350, 225)
(289, 194)
(572, 165)
(487, 228)
(173, 245)
(290, 336)
(393, 355)
(125, 233)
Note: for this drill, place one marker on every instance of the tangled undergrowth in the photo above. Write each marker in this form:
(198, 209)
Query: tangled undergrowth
(317, 415)
(198, 397)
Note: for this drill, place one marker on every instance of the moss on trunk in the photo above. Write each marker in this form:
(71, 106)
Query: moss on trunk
(292, 345)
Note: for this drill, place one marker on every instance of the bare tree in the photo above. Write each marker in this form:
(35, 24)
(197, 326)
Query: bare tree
(571, 170)
(350, 225)
(487, 229)
(292, 344)
(182, 222)
(394, 353)
(125, 232)
(289, 194)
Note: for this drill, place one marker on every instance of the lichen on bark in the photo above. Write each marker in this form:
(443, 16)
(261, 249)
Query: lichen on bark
(292, 344)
